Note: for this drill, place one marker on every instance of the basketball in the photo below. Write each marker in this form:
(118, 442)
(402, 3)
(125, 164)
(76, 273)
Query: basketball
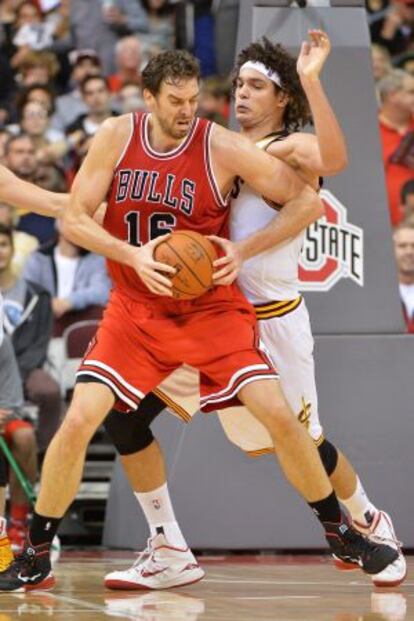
(192, 255)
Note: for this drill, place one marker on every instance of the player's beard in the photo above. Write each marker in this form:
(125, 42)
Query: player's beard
(172, 130)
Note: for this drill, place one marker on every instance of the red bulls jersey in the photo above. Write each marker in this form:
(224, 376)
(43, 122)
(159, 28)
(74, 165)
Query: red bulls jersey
(154, 193)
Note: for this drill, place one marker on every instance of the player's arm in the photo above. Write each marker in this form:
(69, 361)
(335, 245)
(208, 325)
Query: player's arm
(273, 179)
(24, 195)
(324, 153)
(89, 191)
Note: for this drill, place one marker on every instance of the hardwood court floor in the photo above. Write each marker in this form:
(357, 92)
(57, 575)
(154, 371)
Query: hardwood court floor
(235, 589)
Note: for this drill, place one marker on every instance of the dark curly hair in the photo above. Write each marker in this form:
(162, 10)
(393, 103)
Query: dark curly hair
(275, 57)
(171, 65)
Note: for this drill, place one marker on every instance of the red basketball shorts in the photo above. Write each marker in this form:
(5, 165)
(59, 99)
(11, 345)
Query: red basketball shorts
(138, 344)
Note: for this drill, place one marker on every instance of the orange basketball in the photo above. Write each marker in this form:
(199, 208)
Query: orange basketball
(192, 255)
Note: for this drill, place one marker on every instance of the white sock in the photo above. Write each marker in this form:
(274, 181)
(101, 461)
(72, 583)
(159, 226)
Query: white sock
(158, 510)
(359, 505)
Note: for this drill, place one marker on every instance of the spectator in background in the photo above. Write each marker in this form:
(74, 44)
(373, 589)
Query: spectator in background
(35, 122)
(20, 157)
(33, 33)
(396, 119)
(404, 254)
(38, 68)
(51, 177)
(381, 61)
(4, 137)
(161, 26)
(395, 29)
(40, 93)
(124, 16)
(20, 437)
(23, 243)
(128, 64)
(376, 7)
(84, 62)
(28, 322)
(130, 99)
(8, 14)
(98, 24)
(97, 98)
(406, 62)
(214, 103)
(407, 199)
(76, 280)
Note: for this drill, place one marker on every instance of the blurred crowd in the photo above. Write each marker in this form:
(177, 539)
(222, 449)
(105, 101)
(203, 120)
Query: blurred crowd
(392, 31)
(66, 66)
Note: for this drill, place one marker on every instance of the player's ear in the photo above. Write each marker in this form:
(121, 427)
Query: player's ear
(283, 99)
(148, 98)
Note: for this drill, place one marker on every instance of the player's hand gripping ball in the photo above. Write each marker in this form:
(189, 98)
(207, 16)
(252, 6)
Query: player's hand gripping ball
(192, 256)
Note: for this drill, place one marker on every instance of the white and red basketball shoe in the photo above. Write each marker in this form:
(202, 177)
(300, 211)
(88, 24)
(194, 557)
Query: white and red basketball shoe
(159, 566)
(381, 530)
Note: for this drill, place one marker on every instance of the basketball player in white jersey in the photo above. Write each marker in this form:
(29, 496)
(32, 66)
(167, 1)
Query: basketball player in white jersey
(270, 107)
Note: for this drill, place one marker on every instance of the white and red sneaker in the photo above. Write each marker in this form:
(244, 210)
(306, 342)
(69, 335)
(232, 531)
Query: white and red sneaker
(159, 566)
(381, 530)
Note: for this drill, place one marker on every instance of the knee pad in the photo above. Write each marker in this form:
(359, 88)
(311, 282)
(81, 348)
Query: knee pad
(3, 471)
(131, 433)
(329, 456)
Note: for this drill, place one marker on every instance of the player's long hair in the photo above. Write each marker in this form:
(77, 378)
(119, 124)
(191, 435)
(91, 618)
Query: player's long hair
(275, 57)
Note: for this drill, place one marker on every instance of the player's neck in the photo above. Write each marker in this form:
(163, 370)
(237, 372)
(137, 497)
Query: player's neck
(159, 140)
(259, 131)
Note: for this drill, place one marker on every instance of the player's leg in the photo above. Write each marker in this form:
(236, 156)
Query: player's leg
(290, 343)
(301, 464)
(367, 519)
(143, 463)
(61, 475)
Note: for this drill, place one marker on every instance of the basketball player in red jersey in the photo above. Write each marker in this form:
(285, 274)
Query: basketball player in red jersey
(271, 89)
(162, 171)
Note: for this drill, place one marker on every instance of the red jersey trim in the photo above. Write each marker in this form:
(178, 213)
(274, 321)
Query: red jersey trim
(128, 142)
(169, 154)
(222, 202)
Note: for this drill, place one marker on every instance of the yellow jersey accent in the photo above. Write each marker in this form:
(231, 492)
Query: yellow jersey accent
(276, 309)
(172, 405)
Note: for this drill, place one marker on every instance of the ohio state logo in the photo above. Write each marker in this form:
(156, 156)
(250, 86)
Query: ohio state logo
(333, 249)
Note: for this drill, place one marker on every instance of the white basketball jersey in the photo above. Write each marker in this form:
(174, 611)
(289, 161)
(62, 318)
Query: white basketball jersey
(271, 275)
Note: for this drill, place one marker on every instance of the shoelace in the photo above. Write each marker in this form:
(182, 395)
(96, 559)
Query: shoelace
(146, 560)
(146, 553)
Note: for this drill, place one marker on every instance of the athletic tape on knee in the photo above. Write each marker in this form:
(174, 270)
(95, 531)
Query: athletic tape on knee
(329, 456)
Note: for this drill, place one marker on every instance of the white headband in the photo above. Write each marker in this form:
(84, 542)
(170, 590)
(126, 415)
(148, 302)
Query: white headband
(261, 68)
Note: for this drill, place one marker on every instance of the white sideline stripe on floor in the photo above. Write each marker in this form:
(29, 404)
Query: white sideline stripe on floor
(280, 597)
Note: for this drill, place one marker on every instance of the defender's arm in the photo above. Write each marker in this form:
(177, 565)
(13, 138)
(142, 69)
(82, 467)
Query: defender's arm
(325, 153)
(24, 195)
